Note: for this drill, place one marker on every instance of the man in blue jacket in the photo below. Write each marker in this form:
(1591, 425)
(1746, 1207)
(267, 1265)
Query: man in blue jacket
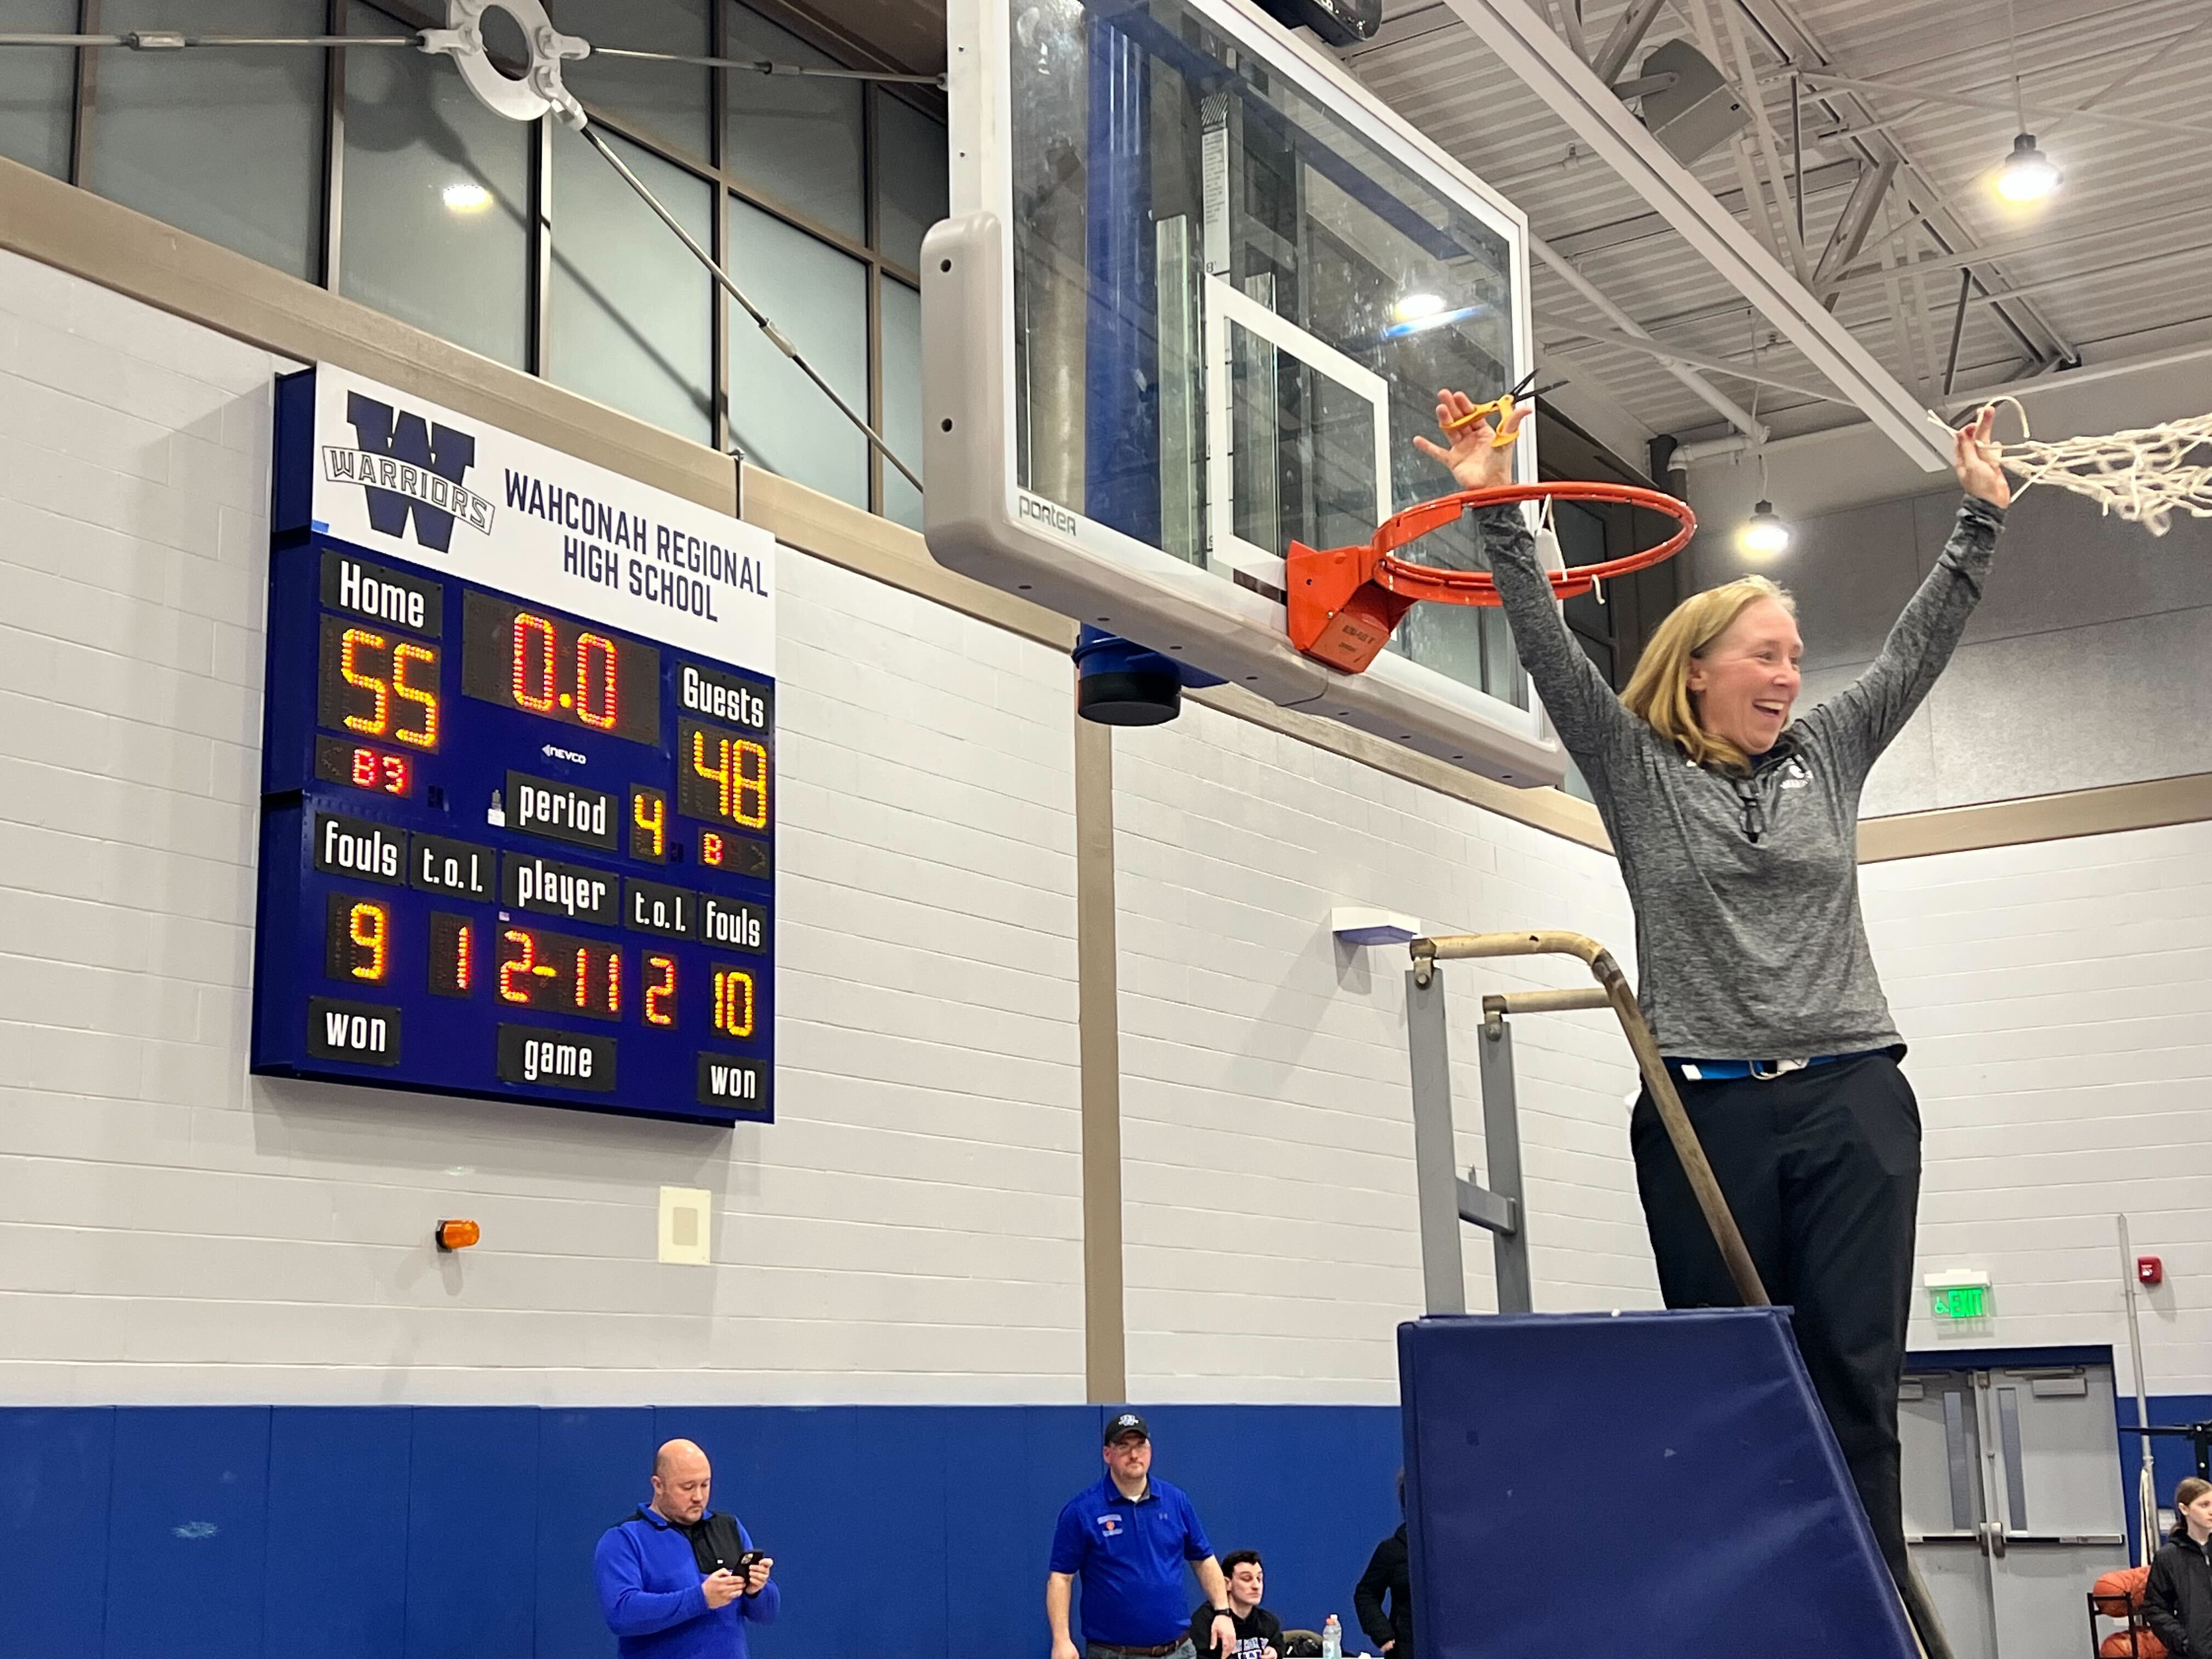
(677, 1580)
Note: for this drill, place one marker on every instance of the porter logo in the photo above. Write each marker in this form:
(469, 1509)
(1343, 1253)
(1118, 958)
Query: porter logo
(1045, 513)
(409, 468)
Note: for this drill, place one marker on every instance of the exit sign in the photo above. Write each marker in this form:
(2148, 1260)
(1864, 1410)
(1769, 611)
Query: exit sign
(1959, 1301)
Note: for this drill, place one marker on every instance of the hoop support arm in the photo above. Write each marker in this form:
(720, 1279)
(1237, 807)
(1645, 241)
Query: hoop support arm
(1711, 1202)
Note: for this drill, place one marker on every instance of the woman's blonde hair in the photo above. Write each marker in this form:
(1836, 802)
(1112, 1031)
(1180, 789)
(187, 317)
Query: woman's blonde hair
(1659, 690)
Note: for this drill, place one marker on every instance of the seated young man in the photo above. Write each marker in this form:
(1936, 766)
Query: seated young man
(1259, 1632)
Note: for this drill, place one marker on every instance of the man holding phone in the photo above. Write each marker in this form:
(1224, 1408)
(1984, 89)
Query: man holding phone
(679, 1580)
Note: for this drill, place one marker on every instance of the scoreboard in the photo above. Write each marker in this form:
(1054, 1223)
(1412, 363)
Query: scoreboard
(518, 810)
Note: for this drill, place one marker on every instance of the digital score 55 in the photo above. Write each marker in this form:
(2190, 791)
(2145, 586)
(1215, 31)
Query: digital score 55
(510, 849)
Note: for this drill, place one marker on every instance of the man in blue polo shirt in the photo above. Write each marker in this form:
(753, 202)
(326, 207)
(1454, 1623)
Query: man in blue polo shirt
(1127, 1538)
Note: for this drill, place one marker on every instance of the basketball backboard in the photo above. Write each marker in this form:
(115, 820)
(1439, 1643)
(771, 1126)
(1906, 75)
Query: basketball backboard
(1197, 293)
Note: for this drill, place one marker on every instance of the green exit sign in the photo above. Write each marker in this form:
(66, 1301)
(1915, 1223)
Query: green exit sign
(1960, 1301)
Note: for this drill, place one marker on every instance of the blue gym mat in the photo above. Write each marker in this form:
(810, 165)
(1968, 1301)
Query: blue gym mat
(1655, 1485)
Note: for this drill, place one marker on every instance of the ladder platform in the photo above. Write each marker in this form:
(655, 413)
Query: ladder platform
(1663, 1484)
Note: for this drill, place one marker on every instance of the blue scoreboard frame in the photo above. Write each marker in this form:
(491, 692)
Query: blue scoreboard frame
(509, 850)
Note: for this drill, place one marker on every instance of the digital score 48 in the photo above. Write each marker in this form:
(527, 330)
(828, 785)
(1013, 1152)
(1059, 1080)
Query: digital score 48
(510, 849)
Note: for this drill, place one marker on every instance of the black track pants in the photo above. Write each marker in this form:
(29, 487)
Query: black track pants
(1822, 1169)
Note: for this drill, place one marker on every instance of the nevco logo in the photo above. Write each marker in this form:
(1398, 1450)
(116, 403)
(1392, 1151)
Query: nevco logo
(410, 468)
(1046, 513)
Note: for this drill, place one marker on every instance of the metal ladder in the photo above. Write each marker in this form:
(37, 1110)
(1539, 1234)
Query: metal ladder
(1501, 1208)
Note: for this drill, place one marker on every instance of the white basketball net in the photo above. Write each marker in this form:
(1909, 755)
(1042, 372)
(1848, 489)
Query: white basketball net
(2145, 475)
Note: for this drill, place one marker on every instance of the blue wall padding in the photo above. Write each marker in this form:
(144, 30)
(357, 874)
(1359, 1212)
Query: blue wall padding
(439, 1532)
(2172, 1458)
(188, 1510)
(1663, 1482)
(337, 1515)
(56, 1475)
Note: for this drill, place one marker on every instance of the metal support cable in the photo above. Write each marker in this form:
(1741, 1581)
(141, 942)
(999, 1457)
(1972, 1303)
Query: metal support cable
(173, 40)
(775, 336)
(762, 66)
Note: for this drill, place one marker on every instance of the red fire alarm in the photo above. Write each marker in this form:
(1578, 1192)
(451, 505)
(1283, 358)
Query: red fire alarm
(2150, 1270)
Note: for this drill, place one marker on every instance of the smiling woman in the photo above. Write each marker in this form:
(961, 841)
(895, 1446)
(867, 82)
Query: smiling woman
(1736, 830)
(1721, 673)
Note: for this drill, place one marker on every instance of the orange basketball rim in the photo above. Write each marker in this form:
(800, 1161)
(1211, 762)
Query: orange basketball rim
(1346, 601)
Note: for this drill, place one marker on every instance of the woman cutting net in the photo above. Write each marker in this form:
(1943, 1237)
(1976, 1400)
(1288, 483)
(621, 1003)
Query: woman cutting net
(1735, 820)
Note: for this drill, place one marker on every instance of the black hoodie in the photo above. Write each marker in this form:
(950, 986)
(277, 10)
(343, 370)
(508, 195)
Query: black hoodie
(1386, 1570)
(2177, 1599)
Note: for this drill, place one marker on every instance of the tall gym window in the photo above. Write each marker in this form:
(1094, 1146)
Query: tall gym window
(375, 174)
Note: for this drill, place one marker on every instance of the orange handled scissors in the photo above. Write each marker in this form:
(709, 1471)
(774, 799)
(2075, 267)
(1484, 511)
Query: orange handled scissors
(1498, 407)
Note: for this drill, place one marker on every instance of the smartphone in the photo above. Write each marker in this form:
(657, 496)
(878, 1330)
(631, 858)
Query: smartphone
(744, 1563)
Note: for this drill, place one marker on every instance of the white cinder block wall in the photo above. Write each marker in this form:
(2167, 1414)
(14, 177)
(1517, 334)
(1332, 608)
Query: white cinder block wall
(1272, 1242)
(173, 1230)
(2058, 999)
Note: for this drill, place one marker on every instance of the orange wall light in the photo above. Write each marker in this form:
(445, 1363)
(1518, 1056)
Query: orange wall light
(457, 1235)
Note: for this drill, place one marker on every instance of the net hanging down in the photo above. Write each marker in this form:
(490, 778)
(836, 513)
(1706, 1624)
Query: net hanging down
(2146, 474)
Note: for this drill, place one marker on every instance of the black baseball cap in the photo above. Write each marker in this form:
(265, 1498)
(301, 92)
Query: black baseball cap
(1127, 1423)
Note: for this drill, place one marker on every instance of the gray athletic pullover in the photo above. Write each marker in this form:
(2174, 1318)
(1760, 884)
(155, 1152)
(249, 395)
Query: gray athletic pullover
(1749, 941)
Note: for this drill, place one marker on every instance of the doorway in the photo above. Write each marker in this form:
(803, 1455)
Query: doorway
(2013, 1501)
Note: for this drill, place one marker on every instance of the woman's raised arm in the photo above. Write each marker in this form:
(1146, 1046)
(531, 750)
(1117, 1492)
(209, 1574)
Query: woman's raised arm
(1859, 722)
(1590, 717)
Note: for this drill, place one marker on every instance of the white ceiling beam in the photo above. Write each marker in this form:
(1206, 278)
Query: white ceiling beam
(2062, 379)
(1966, 398)
(1518, 35)
(2127, 228)
(1628, 33)
(2159, 51)
(1570, 22)
(1851, 226)
(1768, 223)
(2020, 290)
(1801, 47)
(1964, 100)
(1769, 148)
(1643, 343)
(1714, 397)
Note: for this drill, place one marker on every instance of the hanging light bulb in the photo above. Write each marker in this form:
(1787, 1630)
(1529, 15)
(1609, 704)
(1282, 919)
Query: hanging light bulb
(2028, 175)
(1764, 534)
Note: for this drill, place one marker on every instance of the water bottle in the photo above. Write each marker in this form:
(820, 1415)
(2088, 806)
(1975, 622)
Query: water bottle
(1332, 1639)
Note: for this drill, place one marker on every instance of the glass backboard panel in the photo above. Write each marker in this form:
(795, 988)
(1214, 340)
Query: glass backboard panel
(1233, 308)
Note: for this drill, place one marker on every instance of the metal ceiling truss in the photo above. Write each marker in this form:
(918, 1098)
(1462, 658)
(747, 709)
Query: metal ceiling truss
(1519, 35)
(1565, 345)
(1633, 334)
(1921, 94)
(1795, 43)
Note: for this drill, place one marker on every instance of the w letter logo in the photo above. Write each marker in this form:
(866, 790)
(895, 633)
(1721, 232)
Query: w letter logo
(409, 467)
